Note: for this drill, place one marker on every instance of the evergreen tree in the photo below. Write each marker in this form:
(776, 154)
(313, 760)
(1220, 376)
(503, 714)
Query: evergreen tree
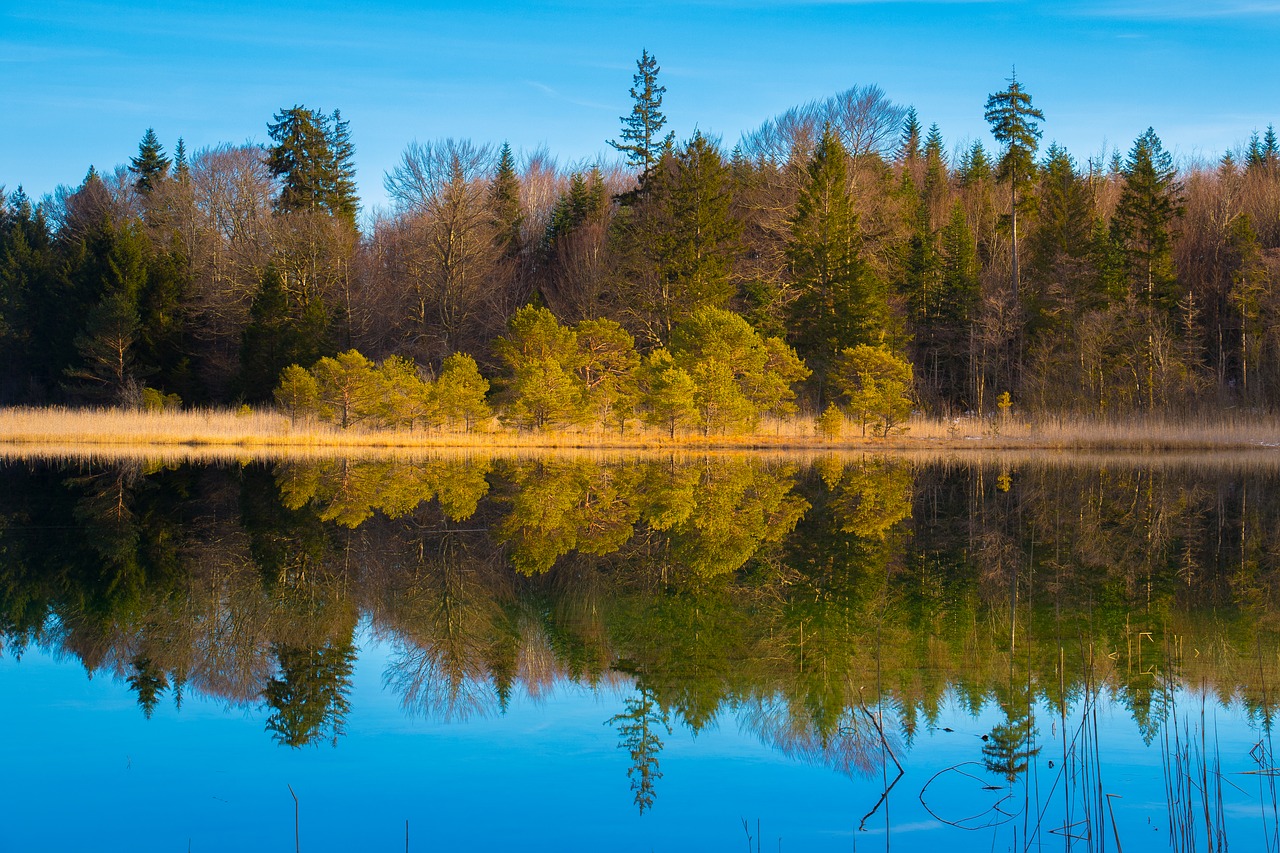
(639, 139)
(181, 168)
(313, 158)
(586, 200)
(150, 166)
(638, 728)
(677, 241)
(975, 166)
(308, 695)
(30, 299)
(941, 344)
(1015, 125)
(541, 356)
(504, 196)
(935, 171)
(277, 336)
(460, 392)
(343, 202)
(1142, 224)
(1061, 277)
(840, 300)
(909, 144)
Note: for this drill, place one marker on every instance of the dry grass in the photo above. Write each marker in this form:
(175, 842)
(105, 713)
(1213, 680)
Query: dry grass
(259, 433)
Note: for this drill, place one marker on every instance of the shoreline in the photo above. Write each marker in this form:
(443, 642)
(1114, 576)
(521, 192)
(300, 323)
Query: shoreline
(56, 429)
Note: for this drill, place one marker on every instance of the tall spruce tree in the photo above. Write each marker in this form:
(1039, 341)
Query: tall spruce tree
(313, 159)
(639, 139)
(909, 144)
(840, 301)
(1015, 125)
(504, 197)
(1142, 224)
(150, 167)
(677, 241)
(1061, 279)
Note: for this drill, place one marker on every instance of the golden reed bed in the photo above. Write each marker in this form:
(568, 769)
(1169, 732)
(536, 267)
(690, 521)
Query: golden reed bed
(260, 432)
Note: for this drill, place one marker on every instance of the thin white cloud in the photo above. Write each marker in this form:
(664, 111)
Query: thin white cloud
(568, 99)
(1181, 11)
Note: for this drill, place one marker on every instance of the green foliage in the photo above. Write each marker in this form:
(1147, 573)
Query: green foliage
(406, 398)
(608, 369)
(639, 139)
(313, 158)
(158, 401)
(840, 300)
(504, 199)
(297, 394)
(1142, 224)
(670, 394)
(737, 375)
(542, 387)
(150, 166)
(460, 392)
(830, 423)
(1015, 124)
(308, 696)
(876, 383)
(677, 238)
(637, 727)
(279, 334)
(349, 388)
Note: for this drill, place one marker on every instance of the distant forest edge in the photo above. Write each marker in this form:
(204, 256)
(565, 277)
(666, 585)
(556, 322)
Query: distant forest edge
(838, 263)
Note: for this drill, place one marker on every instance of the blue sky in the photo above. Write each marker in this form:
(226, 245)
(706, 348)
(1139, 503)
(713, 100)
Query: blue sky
(81, 81)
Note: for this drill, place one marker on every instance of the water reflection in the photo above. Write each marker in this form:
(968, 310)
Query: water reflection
(830, 609)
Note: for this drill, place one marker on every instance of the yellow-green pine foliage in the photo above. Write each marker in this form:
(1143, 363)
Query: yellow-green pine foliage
(460, 392)
(406, 398)
(877, 384)
(669, 393)
(542, 385)
(739, 375)
(831, 422)
(350, 388)
(608, 369)
(297, 394)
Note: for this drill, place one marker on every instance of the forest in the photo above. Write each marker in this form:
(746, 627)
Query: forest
(841, 257)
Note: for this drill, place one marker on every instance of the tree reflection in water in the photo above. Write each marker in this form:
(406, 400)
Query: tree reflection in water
(799, 600)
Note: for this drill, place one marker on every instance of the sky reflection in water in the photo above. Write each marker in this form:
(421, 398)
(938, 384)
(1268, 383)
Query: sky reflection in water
(90, 772)
(871, 541)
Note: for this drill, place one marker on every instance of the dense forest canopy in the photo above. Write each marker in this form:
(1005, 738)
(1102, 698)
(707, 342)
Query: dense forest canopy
(843, 233)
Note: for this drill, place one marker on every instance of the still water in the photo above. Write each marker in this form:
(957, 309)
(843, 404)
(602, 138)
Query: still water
(852, 653)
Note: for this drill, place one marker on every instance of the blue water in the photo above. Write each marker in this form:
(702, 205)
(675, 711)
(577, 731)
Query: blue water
(86, 770)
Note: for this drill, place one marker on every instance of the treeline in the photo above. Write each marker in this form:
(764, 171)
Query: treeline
(1121, 284)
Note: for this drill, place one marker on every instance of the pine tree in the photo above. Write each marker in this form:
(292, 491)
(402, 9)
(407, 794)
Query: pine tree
(1142, 224)
(975, 166)
(909, 145)
(504, 197)
(1058, 246)
(150, 166)
(1015, 125)
(342, 201)
(840, 301)
(639, 138)
(181, 168)
(313, 159)
(677, 241)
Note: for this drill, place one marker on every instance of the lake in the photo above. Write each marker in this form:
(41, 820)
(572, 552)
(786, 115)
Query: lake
(641, 653)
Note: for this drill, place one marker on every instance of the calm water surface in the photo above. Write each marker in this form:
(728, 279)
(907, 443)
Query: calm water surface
(847, 654)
